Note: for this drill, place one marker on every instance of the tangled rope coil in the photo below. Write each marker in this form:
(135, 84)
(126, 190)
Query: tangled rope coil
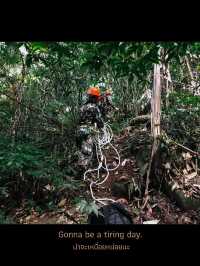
(101, 141)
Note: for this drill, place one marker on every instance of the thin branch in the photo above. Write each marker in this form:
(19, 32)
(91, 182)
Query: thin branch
(185, 148)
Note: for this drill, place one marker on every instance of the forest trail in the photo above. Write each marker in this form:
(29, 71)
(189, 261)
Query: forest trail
(159, 207)
(43, 86)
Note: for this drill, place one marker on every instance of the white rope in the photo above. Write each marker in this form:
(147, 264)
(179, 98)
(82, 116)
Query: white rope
(102, 140)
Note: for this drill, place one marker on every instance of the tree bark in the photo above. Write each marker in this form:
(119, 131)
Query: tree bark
(189, 68)
(155, 103)
(168, 84)
(155, 126)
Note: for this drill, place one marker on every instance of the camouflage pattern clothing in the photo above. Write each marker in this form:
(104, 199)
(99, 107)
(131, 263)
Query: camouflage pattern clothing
(106, 106)
(89, 116)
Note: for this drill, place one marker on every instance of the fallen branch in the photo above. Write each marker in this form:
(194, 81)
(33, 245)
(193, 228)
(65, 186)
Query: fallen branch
(140, 118)
(187, 149)
(180, 145)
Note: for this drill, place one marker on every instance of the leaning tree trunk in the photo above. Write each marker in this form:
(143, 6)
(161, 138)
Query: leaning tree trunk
(155, 126)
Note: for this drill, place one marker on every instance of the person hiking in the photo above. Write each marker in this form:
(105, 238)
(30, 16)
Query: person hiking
(90, 120)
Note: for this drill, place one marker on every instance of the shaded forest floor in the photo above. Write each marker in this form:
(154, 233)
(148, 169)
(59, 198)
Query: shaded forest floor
(159, 206)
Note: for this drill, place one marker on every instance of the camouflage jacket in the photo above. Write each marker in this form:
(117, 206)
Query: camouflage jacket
(106, 105)
(90, 114)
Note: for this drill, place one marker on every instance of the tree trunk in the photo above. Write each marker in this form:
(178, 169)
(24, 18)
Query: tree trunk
(155, 126)
(192, 81)
(168, 85)
(189, 68)
(166, 76)
(155, 104)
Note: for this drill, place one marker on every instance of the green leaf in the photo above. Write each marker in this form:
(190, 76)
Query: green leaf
(95, 208)
(9, 163)
(39, 46)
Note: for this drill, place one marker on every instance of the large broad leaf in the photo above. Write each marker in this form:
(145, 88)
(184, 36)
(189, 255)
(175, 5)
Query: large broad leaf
(94, 208)
(86, 207)
(39, 46)
(81, 205)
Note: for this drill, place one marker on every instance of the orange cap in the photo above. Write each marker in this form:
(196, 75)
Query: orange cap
(94, 91)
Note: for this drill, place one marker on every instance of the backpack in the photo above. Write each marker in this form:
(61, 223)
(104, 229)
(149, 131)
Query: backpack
(114, 213)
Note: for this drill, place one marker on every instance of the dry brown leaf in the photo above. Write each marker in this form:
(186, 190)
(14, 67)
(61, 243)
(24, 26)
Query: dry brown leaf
(43, 215)
(185, 172)
(175, 185)
(187, 220)
(186, 155)
(192, 175)
(28, 218)
(127, 129)
(188, 167)
(62, 203)
(167, 165)
(196, 185)
(124, 162)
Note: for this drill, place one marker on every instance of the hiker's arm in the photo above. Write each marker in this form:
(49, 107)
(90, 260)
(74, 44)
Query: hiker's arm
(109, 99)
